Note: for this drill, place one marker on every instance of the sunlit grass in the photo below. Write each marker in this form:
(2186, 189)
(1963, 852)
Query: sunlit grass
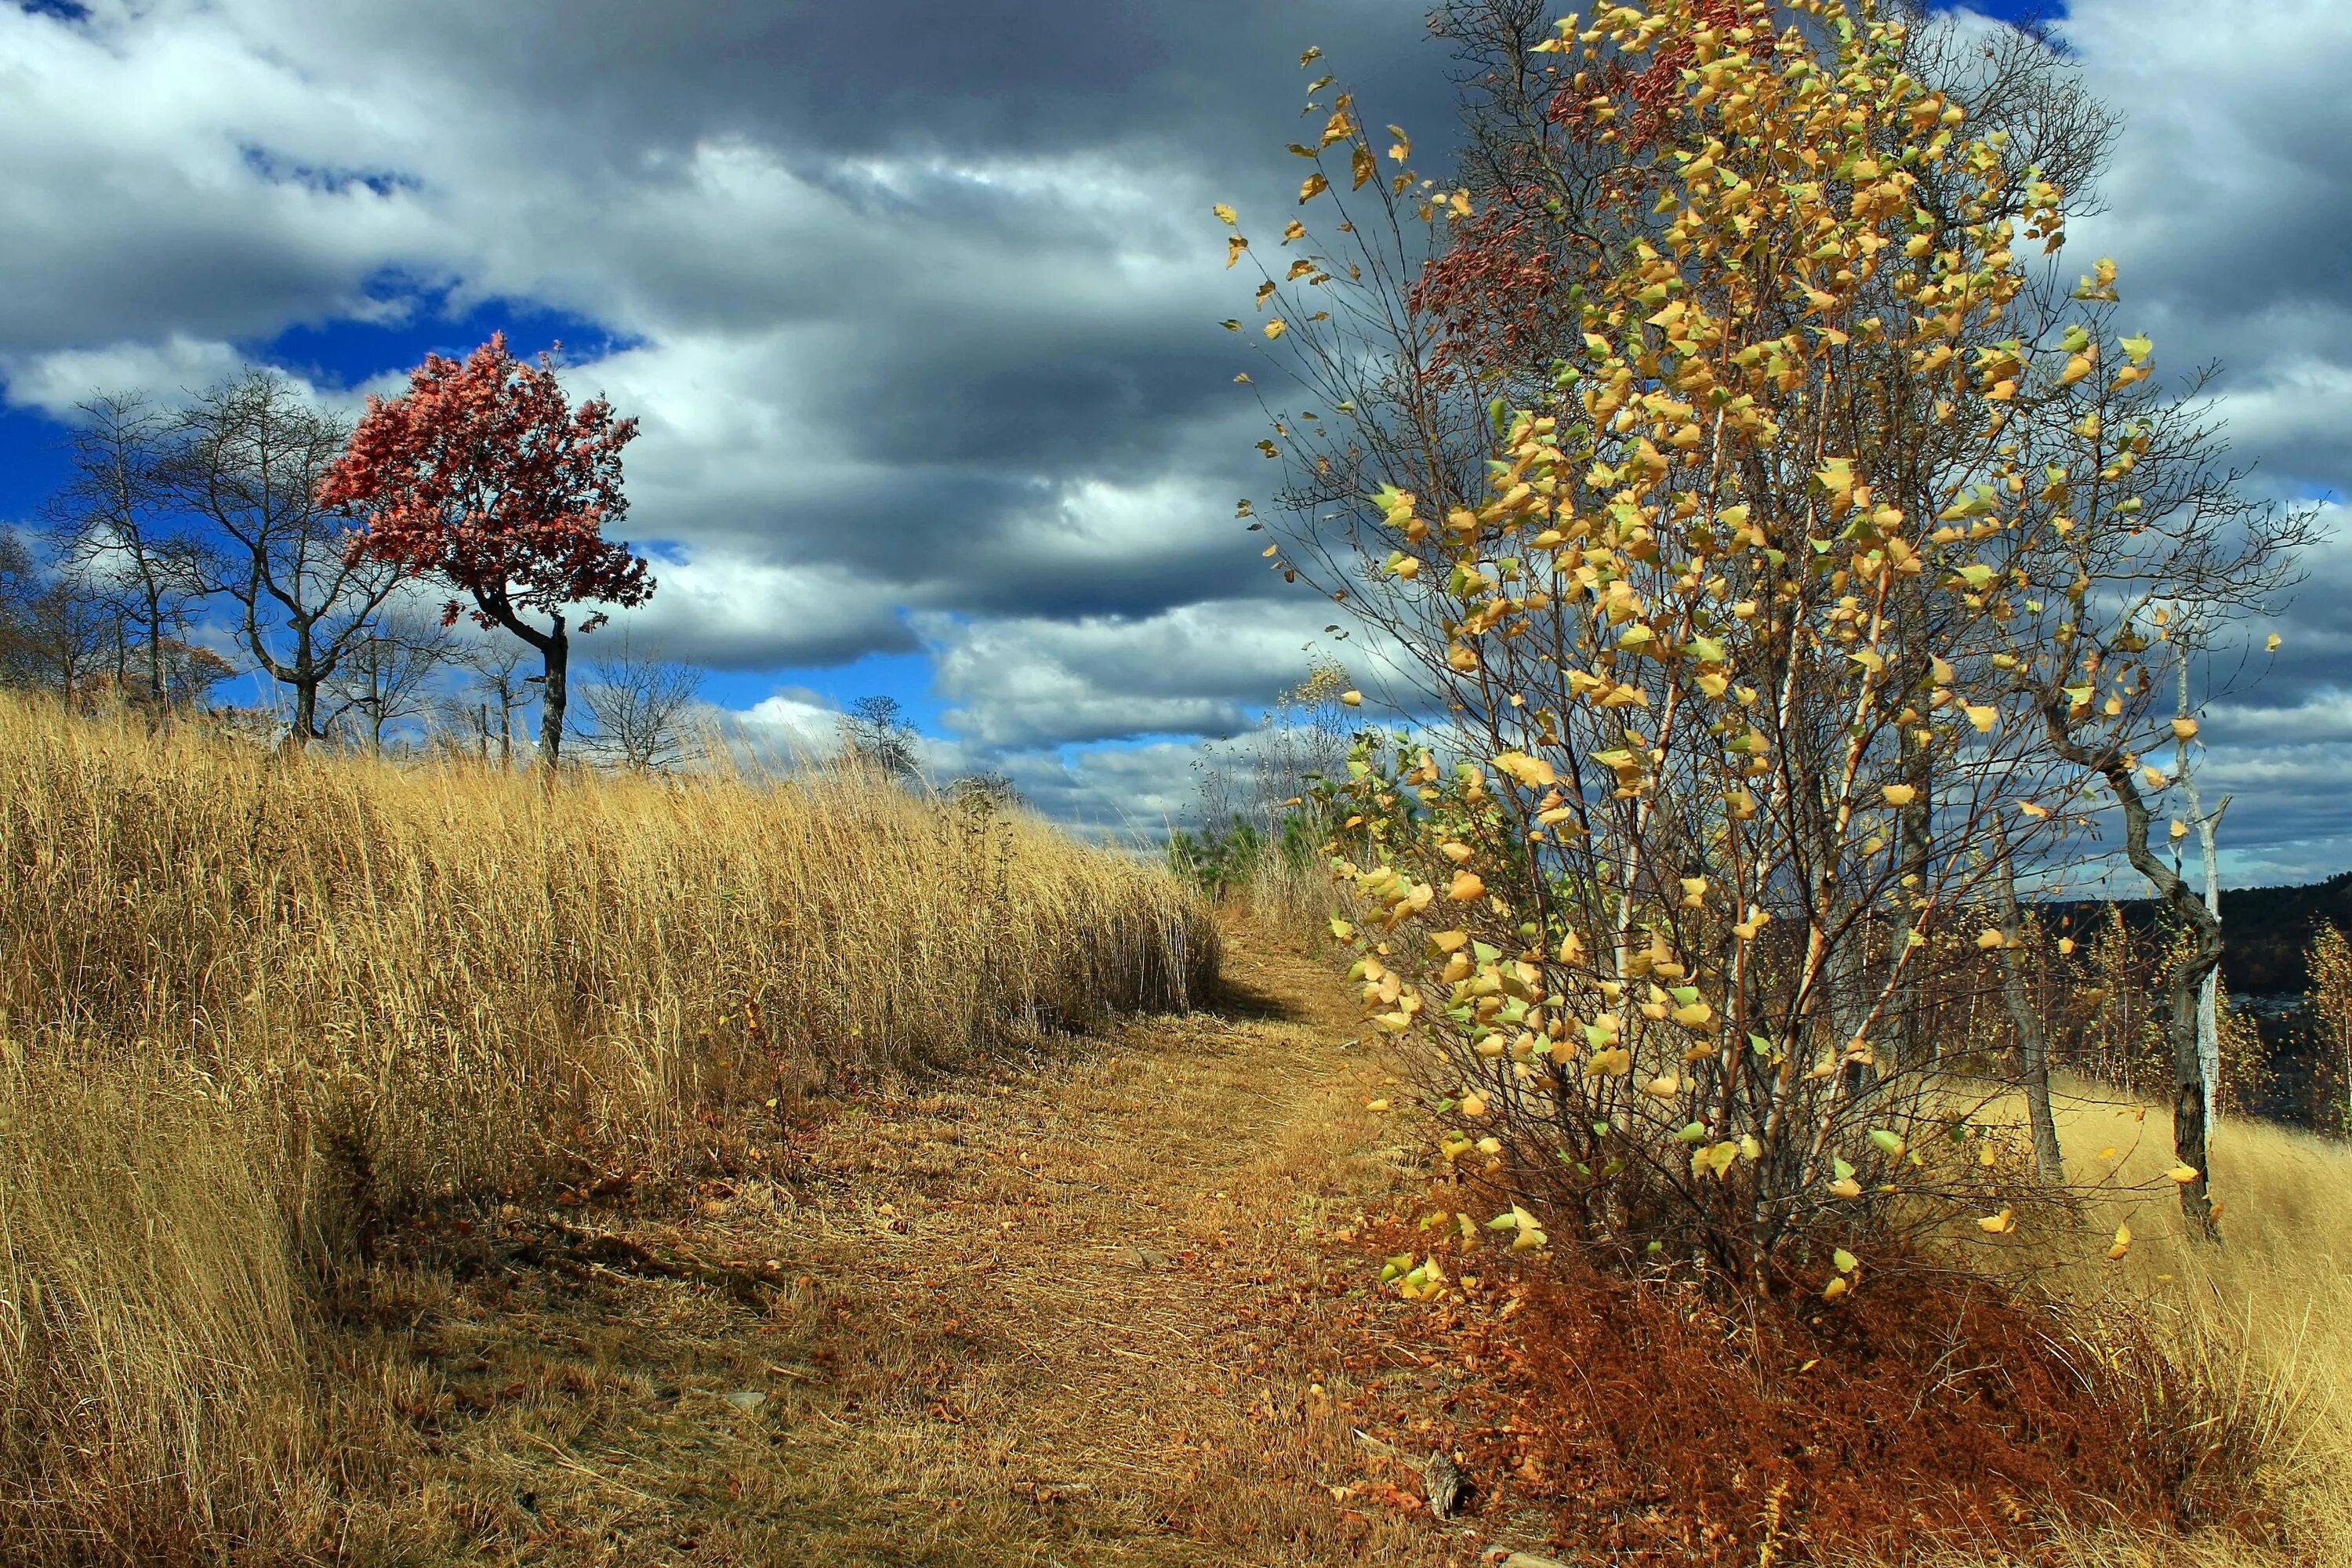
(253, 1007)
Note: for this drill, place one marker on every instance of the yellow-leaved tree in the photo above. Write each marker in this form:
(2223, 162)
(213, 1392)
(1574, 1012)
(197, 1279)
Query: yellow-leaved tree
(1823, 592)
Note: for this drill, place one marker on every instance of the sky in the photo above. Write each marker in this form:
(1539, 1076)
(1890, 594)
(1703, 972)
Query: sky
(917, 306)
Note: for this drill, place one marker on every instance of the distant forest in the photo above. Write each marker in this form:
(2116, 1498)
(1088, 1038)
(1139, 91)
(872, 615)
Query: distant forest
(2265, 932)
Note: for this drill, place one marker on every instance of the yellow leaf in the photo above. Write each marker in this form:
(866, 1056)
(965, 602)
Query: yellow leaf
(1224, 214)
(2184, 729)
(1834, 1289)
(1998, 1224)
(1314, 53)
(1662, 1087)
(1473, 1104)
(1532, 772)
(1314, 186)
(1276, 326)
(1235, 246)
(2271, 643)
(1467, 887)
(1294, 230)
(1898, 793)
(1981, 715)
(1360, 165)
(2123, 1241)
(1352, 698)
(1376, 1105)
(2184, 1175)
(2030, 809)
(1990, 940)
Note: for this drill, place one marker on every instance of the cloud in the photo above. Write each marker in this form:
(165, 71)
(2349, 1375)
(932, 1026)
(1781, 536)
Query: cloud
(917, 306)
(57, 381)
(1033, 682)
(734, 613)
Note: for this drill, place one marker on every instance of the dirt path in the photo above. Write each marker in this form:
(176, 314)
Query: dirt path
(1044, 1320)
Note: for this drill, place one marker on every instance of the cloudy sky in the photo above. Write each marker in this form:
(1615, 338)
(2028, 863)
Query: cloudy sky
(917, 306)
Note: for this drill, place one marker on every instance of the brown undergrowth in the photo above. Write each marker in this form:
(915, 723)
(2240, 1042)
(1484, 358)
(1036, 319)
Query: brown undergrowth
(1647, 1421)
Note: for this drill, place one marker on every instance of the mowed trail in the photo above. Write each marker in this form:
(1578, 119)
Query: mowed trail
(1048, 1318)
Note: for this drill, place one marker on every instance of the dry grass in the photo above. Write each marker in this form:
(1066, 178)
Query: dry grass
(1060, 1307)
(255, 1009)
(1039, 1318)
(2262, 1325)
(152, 1344)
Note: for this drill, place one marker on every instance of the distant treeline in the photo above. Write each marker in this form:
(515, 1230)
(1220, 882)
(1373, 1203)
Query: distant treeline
(2266, 932)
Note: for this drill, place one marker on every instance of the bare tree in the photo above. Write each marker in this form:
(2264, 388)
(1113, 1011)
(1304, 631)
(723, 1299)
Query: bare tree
(20, 586)
(493, 691)
(640, 707)
(385, 676)
(247, 457)
(118, 533)
(874, 733)
(56, 630)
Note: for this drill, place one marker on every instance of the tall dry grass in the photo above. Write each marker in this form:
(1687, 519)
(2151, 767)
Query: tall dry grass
(250, 1004)
(2260, 1325)
(153, 1365)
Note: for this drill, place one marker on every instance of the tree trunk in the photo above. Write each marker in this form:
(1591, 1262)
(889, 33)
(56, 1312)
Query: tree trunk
(306, 712)
(157, 692)
(2191, 1093)
(2032, 1040)
(557, 651)
(2208, 1023)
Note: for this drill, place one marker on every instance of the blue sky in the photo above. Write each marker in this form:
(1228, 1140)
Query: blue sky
(920, 321)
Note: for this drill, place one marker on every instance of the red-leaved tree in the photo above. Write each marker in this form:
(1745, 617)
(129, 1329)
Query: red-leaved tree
(483, 475)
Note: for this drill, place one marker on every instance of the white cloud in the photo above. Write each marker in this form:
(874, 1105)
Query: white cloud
(1019, 682)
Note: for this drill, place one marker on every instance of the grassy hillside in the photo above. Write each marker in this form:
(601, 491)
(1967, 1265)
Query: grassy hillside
(255, 1009)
